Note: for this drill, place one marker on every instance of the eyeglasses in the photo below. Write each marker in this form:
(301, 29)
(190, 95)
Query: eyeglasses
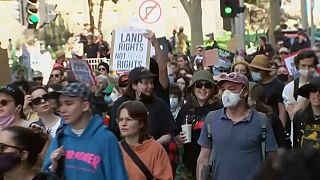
(101, 69)
(3, 147)
(314, 89)
(5, 102)
(229, 76)
(38, 79)
(54, 75)
(206, 85)
(38, 100)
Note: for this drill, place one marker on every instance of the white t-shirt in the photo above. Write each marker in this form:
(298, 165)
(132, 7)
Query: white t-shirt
(288, 94)
(53, 130)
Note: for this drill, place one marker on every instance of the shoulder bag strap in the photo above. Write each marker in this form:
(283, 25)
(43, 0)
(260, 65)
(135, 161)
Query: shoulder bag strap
(295, 88)
(263, 123)
(136, 160)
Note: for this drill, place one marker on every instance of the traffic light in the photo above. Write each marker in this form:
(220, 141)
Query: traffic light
(230, 8)
(32, 17)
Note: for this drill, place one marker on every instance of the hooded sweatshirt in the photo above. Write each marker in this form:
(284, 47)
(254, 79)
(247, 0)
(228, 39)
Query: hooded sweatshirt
(93, 155)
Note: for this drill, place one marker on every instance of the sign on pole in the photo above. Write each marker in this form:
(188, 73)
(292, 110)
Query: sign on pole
(82, 72)
(130, 49)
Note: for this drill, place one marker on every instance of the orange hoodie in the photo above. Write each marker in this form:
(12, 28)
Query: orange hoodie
(155, 158)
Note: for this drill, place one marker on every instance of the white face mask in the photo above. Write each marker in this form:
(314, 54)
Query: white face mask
(304, 72)
(230, 99)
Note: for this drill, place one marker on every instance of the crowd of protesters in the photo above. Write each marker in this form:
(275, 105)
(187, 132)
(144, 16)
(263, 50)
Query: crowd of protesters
(173, 120)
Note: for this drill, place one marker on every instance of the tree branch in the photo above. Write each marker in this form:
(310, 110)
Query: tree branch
(187, 6)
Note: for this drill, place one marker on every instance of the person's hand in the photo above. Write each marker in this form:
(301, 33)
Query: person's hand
(27, 101)
(55, 156)
(189, 76)
(181, 138)
(150, 36)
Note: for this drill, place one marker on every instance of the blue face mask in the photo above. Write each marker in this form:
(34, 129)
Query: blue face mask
(174, 103)
(256, 76)
(108, 99)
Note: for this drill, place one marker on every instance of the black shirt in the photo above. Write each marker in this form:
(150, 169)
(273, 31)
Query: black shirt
(273, 94)
(161, 121)
(91, 50)
(103, 49)
(192, 149)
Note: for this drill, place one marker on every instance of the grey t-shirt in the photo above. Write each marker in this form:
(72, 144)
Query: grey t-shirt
(238, 152)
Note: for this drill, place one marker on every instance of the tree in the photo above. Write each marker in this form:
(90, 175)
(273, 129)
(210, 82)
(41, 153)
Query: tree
(194, 12)
(100, 14)
(91, 18)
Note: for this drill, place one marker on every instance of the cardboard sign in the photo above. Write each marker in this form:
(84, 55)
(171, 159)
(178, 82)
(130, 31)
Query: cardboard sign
(130, 49)
(210, 57)
(226, 55)
(233, 44)
(82, 71)
(5, 71)
(289, 61)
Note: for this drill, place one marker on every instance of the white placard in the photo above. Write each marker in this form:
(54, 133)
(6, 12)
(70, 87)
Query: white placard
(130, 49)
(289, 61)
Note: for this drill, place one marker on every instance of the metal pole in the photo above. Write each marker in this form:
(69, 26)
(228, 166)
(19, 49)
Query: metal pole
(312, 28)
(304, 15)
(241, 27)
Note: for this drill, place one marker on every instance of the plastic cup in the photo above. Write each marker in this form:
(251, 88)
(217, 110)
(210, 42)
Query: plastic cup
(186, 129)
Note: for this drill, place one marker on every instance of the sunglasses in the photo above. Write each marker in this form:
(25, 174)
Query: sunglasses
(229, 76)
(38, 100)
(314, 89)
(101, 69)
(5, 102)
(54, 75)
(3, 147)
(39, 129)
(206, 85)
(37, 79)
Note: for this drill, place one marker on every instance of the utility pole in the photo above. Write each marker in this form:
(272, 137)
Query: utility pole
(240, 27)
(304, 15)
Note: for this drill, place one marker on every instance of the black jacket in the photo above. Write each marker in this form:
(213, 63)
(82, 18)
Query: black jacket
(296, 46)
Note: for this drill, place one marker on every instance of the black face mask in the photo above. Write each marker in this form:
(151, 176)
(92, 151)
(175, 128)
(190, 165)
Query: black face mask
(283, 77)
(146, 98)
(9, 161)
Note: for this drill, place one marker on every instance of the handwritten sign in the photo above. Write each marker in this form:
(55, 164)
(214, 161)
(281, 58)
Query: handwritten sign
(82, 71)
(289, 61)
(130, 49)
(214, 56)
(225, 55)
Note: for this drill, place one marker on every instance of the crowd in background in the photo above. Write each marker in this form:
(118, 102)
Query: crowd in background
(132, 125)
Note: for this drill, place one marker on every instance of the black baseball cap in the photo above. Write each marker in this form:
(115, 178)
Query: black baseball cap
(139, 73)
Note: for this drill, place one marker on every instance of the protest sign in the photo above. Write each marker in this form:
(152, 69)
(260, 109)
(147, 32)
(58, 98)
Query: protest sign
(289, 61)
(233, 44)
(82, 72)
(130, 49)
(226, 55)
(213, 56)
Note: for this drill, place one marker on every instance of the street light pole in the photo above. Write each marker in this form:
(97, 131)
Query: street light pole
(312, 28)
(304, 15)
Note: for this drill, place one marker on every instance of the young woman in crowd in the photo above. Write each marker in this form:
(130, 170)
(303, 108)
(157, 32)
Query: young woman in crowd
(256, 99)
(306, 125)
(141, 87)
(242, 67)
(19, 151)
(203, 89)
(176, 102)
(133, 120)
(11, 107)
(39, 99)
(183, 83)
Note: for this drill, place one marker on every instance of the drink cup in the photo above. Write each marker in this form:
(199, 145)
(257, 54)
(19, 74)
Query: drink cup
(186, 129)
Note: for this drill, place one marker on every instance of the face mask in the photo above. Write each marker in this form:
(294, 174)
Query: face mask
(114, 97)
(230, 99)
(283, 77)
(8, 161)
(6, 121)
(174, 103)
(256, 76)
(108, 99)
(304, 72)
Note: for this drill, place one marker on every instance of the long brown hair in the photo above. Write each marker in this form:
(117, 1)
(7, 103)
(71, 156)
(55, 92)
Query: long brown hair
(139, 112)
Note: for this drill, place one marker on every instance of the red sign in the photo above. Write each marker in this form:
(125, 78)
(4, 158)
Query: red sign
(150, 11)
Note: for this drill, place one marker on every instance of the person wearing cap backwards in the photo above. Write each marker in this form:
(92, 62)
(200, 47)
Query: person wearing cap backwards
(283, 53)
(11, 107)
(141, 87)
(203, 89)
(273, 87)
(306, 121)
(235, 134)
(89, 150)
(37, 77)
